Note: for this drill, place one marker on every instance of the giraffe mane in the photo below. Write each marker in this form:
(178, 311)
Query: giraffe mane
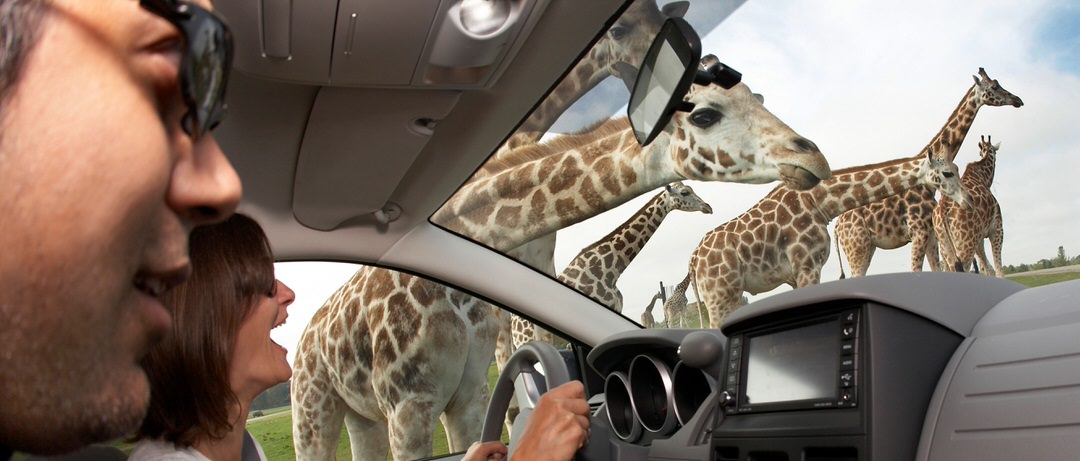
(530, 152)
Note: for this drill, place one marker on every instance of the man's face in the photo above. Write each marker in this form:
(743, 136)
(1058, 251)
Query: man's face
(100, 189)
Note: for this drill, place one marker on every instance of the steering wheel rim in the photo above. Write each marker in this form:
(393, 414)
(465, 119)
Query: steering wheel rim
(523, 361)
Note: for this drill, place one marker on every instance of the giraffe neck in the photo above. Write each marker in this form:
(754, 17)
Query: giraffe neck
(980, 172)
(627, 241)
(947, 141)
(525, 201)
(852, 188)
(588, 73)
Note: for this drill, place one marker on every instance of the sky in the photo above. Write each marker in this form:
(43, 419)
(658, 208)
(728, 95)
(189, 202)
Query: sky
(867, 81)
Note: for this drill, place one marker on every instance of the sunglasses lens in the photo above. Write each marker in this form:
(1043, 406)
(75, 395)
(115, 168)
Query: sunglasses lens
(204, 69)
(209, 57)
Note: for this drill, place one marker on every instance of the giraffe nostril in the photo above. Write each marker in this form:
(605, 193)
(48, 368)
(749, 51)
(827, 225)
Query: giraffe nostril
(805, 145)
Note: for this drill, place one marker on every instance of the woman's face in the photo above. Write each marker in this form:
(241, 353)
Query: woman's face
(258, 363)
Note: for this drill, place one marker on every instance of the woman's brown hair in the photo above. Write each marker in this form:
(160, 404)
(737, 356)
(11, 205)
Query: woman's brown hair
(190, 395)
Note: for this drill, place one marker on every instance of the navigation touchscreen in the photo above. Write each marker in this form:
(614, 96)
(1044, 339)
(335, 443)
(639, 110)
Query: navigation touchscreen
(797, 364)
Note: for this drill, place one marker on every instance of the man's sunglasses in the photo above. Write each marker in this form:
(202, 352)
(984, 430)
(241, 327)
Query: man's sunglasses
(205, 65)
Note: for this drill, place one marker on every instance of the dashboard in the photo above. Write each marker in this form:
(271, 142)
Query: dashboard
(924, 366)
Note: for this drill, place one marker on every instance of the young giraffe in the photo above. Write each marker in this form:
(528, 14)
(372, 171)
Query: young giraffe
(391, 371)
(597, 267)
(961, 231)
(784, 238)
(907, 218)
(676, 305)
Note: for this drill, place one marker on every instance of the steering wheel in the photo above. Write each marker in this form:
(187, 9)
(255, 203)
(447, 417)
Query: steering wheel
(523, 362)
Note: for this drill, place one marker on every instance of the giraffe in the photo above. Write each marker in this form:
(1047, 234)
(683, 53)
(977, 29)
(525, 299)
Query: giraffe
(784, 238)
(907, 218)
(647, 319)
(675, 306)
(597, 267)
(388, 371)
(961, 231)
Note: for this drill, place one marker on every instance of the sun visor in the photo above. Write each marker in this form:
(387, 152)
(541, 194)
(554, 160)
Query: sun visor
(336, 177)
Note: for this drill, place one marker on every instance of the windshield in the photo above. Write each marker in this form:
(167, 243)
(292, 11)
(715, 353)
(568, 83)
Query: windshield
(899, 97)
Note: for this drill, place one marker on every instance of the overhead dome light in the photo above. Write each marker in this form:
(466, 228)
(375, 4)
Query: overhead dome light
(483, 17)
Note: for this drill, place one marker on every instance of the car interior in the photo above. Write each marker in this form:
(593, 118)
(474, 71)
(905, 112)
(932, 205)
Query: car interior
(361, 129)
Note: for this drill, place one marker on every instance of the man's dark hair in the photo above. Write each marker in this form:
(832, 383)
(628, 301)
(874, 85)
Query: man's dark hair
(20, 22)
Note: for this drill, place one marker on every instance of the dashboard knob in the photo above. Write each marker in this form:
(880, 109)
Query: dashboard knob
(702, 350)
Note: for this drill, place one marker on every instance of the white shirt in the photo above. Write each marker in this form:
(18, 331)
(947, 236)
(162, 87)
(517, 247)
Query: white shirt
(160, 450)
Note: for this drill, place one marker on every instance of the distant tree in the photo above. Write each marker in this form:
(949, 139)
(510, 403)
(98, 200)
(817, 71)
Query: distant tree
(275, 397)
(1061, 260)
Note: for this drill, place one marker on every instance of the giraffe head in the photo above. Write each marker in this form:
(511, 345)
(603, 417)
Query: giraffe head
(943, 175)
(625, 42)
(730, 136)
(679, 196)
(986, 148)
(991, 93)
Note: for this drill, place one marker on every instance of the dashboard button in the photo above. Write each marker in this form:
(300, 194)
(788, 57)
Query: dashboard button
(847, 347)
(847, 378)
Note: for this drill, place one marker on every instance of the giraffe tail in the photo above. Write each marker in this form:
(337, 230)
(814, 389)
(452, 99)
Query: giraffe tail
(839, 258)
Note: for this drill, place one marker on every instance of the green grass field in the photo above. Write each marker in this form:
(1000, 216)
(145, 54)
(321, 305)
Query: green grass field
(1045, 279)
(274, 433)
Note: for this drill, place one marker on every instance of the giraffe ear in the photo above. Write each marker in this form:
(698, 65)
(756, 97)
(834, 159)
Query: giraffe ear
(675, 9)
(997, 146)
(760, 98)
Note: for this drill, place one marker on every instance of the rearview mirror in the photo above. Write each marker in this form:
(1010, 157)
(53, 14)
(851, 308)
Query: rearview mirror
(663, 78)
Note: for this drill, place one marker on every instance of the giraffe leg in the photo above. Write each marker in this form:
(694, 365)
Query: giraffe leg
(965, 249)
(855, 243)
(997, 235)
(944, 244)
(367, 438)
(920, 238)
(504, 348)
(980, 257)
(317, 419)
(317, 409)
(933, 257)
(721, 292)
(411, 424)
(463, 418)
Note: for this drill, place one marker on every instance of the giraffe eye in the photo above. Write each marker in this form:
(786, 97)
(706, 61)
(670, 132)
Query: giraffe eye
(618, 32)
(947, 174)
(685, 193)
(705, 117)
